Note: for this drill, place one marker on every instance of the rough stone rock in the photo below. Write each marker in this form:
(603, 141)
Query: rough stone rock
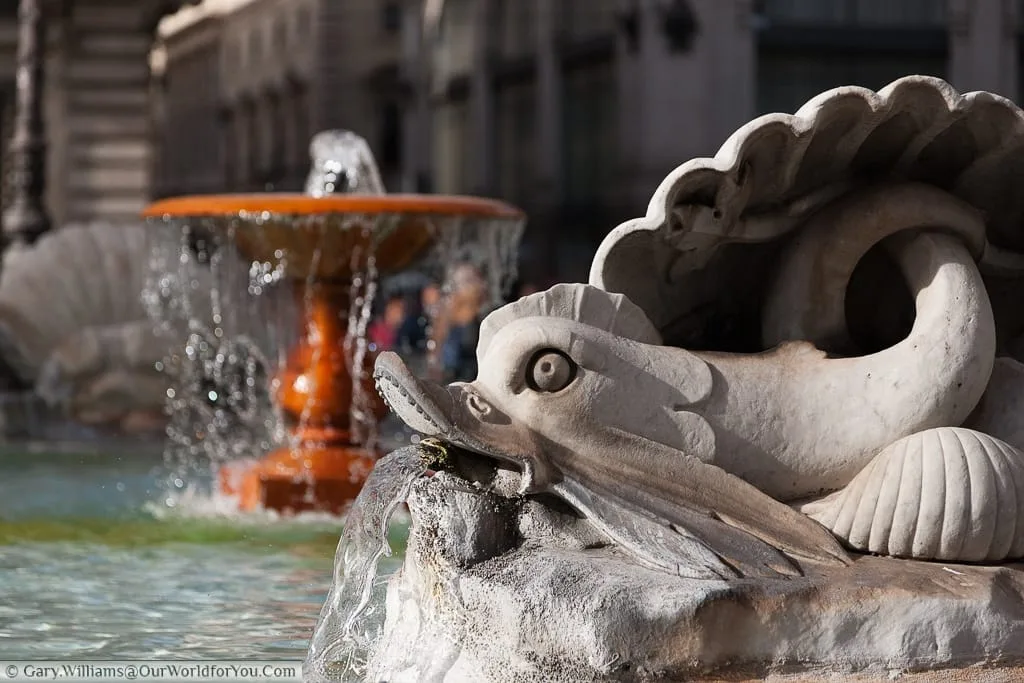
(562, 606)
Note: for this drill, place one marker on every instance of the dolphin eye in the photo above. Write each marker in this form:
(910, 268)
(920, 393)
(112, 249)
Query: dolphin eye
(550, 371)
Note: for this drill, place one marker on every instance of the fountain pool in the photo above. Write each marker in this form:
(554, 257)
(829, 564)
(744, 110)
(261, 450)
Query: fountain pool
(264, 301)
(94, 565)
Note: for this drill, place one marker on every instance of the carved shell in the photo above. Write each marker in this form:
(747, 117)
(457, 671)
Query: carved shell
(943, 494)
(77, 283)
(698, 261)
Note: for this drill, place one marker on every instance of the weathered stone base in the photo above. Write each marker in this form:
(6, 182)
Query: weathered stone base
(500, 590)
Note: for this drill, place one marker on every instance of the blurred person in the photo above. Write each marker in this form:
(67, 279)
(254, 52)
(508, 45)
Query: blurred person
(457, 326)
(412, 331)
(383, 332)
(431, 297)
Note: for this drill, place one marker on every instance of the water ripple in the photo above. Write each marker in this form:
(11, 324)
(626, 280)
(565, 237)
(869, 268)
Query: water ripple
(179, 600)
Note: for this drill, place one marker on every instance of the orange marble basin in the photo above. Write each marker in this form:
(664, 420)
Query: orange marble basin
(331, 237)
(322, 243)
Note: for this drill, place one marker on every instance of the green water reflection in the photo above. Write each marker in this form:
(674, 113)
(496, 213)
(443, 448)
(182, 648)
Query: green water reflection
(94, 564)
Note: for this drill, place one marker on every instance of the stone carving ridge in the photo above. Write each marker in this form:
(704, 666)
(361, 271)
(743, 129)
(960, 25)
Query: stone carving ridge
(715, 219)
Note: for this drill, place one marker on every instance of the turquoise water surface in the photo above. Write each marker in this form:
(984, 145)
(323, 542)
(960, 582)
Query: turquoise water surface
(95, 565)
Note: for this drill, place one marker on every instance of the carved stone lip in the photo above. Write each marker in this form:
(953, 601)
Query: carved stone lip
(433, 410)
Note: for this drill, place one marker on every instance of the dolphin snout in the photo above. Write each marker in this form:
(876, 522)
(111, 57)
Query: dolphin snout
(423, 405)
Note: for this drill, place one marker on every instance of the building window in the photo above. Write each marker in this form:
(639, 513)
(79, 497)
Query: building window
(250, 148)
(786, 81)
(390, 144)
(300, 129)
(229, 134)
(303, 21)
(276, 134)
(584, 19)
(255, 46)
(515, 29)
(516, 143)
(234, 54)
(590, 111)
(451, 153)
(391, 16)
(280, 35)
(808, 46)
(854, 12)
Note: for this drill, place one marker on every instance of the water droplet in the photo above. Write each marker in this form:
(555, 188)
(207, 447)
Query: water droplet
(120, 486)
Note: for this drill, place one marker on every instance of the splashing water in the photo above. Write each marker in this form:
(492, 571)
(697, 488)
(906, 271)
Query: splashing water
(214, 307)
(363, 292)
(351, 620)
(233, 320)
(342, 163)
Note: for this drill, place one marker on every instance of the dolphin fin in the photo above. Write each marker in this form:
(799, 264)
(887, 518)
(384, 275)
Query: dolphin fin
(651, 541)
(692, 544)
(741, 524)
(740, 507)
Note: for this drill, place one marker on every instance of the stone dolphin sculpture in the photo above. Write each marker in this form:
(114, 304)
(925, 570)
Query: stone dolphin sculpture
(577, 390)
(603, 416)
(888, 417)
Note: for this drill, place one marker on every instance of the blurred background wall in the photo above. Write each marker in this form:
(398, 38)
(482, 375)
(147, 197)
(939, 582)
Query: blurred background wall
(573, 109)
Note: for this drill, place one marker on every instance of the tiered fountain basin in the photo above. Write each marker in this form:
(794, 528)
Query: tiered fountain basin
(325, 246)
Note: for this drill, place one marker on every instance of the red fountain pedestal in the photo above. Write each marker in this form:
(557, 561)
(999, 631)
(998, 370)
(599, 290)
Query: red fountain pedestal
(323, 242)
(325, 466)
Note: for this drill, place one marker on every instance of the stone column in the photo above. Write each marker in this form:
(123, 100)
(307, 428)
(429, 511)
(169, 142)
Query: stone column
(481, 104)
(983, 46)
(25, 218)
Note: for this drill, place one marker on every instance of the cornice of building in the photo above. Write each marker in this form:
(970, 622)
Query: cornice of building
(191, 15)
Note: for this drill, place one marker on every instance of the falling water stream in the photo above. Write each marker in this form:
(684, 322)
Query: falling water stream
(352, 616)
(240, 317)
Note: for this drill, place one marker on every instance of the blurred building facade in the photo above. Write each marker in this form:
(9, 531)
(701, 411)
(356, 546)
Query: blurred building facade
(240, 86)
(577, 109)
(95, 101)
(573, 109)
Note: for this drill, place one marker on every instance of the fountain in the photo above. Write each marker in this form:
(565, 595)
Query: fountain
(777, 434)
(327, 248)
(77, 347)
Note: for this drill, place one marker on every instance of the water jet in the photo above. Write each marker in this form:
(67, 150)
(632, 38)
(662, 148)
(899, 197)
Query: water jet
(329, 247)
